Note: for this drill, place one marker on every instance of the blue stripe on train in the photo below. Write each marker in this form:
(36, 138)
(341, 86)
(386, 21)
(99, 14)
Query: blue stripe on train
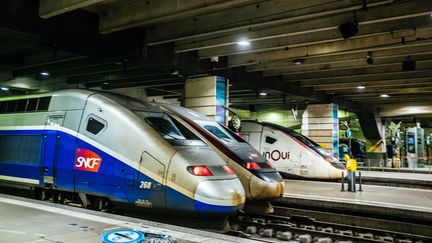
(115, 179)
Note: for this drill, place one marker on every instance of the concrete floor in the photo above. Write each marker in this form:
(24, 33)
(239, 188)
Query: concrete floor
(31, 221)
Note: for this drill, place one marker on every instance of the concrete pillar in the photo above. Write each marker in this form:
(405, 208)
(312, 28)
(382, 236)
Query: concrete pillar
(321, 124)
(207, 95)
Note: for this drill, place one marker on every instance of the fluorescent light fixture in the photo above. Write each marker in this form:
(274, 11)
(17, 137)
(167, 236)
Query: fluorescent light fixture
(384, 96)
(361, 87)
(44, 74)
(298, 61)
(263, 93)
(243, 43)
(4, 88)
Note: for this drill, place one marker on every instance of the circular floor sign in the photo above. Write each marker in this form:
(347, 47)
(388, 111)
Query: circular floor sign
(123, 236)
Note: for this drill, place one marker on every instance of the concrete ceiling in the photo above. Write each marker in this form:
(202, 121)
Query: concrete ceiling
(296, 53)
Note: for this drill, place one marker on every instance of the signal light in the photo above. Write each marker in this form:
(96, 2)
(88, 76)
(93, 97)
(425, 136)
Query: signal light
(199, 171)
(252, 166)
(228, 169)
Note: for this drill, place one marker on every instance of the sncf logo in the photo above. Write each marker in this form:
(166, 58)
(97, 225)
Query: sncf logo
(87, 160)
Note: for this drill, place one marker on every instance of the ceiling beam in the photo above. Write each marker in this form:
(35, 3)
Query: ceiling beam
(314, 62)
(371, 43)
(352, 71)
(372, 92)
(344, 85)
(265, 14)
(316, 82)
(51, 8)
(392, 63)
(159, 11)
(375, 20)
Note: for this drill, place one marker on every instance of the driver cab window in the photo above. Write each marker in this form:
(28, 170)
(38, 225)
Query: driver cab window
(270, 140)
(94, 126)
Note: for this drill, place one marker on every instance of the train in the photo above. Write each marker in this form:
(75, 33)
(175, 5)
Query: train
(112, 150)
(261, 181)
(291, 153)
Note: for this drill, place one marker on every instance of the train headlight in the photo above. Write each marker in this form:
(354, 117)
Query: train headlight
(199, 170)
(252, 166)
(228, 169)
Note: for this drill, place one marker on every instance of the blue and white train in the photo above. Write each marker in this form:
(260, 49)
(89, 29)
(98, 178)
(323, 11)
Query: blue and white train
(106, 148)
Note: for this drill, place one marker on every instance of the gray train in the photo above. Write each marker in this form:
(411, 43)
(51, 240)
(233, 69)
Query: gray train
(106, 148)
(261, 181)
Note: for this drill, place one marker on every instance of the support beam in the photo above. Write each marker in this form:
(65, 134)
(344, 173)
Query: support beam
(379, 56)
(320, 82)
(266, 14)
(375, 20)
(159, 11)
(355, 45)
(51, 8)
(386, 64)
(353, 70)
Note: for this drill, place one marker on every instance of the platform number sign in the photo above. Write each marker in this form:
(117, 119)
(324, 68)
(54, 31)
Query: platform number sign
(123, 236)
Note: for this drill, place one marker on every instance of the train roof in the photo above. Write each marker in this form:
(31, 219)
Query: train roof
(188, 113)
(76, 98)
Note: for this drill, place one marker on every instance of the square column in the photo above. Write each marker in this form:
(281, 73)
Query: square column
(320, 123)
(207, 95)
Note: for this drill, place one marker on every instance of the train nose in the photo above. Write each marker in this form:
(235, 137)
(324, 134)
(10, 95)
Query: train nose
(264, 190)
(219, 196)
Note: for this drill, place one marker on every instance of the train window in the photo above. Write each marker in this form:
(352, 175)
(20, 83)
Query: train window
(94, 126)
(21, 105)
(170, 129)
(11, 106)
(3, 106)
(20, 149)
(32, 104)
(43, 103)
(270, 140)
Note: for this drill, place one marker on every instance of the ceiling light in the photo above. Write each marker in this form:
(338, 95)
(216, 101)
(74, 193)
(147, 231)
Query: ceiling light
(106, 83)
(298, 61)
(369, 58)
(361, 87)
(263, 93)
(243, 43)
(4, 88)
(44, 74)
(384, 96)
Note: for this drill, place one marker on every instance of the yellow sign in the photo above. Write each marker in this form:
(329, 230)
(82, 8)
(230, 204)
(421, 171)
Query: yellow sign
(351, 164)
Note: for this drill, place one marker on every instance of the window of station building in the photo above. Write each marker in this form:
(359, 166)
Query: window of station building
(20, 149)
(270, 140)
(94, 126)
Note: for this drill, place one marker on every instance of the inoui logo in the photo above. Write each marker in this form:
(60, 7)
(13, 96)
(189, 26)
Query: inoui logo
(87, 160)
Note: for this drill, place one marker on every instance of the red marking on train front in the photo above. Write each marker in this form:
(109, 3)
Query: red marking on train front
(87, 160)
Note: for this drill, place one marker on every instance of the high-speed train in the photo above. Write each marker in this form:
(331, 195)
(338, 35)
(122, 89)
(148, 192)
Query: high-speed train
(102, 148)
(260, 180)
(291, 153)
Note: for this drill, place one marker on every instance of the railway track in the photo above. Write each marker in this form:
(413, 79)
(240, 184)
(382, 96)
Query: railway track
(302, 225)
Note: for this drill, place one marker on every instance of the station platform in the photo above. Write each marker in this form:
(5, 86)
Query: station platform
(32, 221)
(394, 202)
(403, 179)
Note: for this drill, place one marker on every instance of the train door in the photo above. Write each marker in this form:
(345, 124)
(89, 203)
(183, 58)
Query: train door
(307, 168)
(149, 189)
(52, 134)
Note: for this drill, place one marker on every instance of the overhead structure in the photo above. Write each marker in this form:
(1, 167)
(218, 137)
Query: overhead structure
(298, 52)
